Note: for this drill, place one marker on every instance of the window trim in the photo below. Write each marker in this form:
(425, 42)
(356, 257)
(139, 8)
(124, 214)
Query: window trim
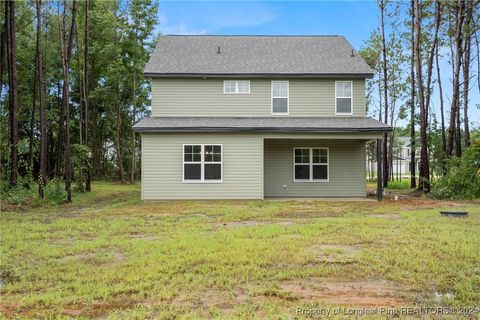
(311, 164)
(236, 87)
(288, 98)
(202, 163)
(351, 98)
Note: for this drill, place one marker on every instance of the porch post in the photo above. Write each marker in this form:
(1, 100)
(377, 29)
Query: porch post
(379, 170)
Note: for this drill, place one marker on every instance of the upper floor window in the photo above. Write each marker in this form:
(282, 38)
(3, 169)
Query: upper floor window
(279, 97)
(236, 86)
(343, 97)
(202, 163)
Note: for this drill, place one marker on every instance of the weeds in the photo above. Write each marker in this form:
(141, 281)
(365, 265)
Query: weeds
(110, 255)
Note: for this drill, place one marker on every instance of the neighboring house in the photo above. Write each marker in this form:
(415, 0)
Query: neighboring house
(401, 158)
(254, 117)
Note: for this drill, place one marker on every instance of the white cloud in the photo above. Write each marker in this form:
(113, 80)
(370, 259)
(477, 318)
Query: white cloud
(177, 28)
(212, 17)
(181, 28)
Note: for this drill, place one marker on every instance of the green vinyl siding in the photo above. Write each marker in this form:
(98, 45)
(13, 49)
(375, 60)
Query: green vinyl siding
(162, 167)
(254, 166)
(346, 169)
(205, 97)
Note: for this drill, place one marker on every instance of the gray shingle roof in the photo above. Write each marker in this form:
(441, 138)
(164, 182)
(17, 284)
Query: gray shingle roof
(260, 124)
(256, 56)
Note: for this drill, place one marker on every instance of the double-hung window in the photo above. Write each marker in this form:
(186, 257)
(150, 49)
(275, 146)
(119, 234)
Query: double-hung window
(202, 163)
(310, 164)
(236, 86)
(280, 97)
(343, 97)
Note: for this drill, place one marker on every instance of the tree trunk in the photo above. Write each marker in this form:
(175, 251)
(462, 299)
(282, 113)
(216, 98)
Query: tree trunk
(61, 135)
(3, 45)
(442, 115)
(133, 164)
(424, 177)
(380, 98)
(413, 181)
(103, 147)
(95, 147)
(426, 95)
(392, 135)
(478, 59)
(430, 61)
(85, 94)
(466, 69)
(132, 172)
(80, 118)
(50, 153)
(48, 135)
(13, 88)
(385, 94)
(43, 132)
(32, 113)
(117, 138)
(61, 117)
(66, 57)
(454, 108)
(458, 134)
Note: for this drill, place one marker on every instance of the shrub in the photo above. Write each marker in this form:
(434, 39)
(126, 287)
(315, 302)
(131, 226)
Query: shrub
(55, 193)
(18, 195)
(462, 180)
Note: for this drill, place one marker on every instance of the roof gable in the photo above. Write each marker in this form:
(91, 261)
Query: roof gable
(256, 56)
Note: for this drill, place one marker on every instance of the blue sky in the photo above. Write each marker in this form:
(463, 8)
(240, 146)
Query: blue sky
(353, 19)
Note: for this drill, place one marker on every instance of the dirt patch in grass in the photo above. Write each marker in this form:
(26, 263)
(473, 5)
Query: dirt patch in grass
(58, 241)
(367, 293)
(251, 223)
(80, 256)
(221, 301)
(117, 256)
(147, 237)
(424, 203)
(309, 214)
(346, 248)
(239, 224)
(388, 216)
(334, 253)
(9, 310)
(96, 309)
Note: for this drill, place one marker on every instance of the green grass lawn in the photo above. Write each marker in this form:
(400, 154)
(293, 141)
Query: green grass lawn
(109, 255)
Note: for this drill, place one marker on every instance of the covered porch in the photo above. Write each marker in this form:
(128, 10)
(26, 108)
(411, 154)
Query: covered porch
(316, 165)
(274, 157)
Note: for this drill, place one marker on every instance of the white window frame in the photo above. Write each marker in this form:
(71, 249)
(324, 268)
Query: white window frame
(202, 163)
(236, 87)
(311, 164)
(288, 98)
(351, 99)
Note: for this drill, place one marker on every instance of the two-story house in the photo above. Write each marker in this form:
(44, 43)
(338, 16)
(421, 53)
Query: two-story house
(401, 165)
(254, 117)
